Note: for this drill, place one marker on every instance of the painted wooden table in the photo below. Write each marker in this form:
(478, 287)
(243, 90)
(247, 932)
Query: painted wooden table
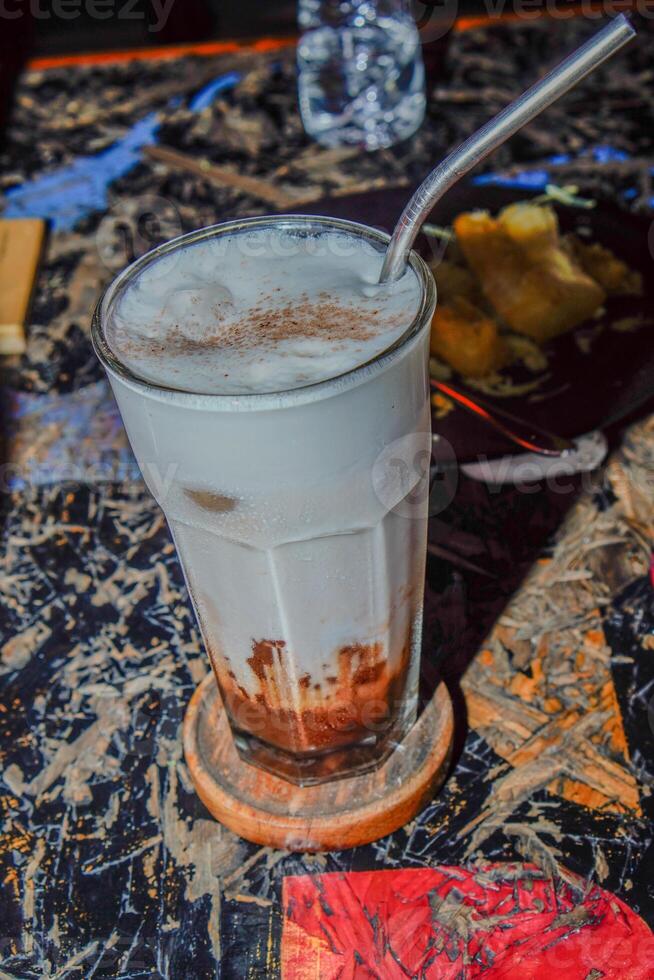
(543, 630)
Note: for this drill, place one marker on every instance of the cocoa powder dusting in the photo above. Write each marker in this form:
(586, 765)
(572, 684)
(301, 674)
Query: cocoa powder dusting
(361, 699)
(262, 656)
(266, 325)
(217, 503)
(365, 660)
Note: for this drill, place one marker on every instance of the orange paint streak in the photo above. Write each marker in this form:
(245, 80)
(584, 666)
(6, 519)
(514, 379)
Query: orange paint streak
(459, 397)
(165, 53)
(477, 409)
(564, 13)
(208, 48)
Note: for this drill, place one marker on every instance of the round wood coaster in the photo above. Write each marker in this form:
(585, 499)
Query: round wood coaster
(344, 813)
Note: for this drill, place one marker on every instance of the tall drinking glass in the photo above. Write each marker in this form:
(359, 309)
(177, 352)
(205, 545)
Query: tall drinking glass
(300, 520)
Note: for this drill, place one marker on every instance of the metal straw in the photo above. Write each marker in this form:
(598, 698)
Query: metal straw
(478, 146)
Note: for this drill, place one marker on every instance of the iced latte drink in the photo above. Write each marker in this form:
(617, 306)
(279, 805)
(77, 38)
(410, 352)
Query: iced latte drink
(264, 380)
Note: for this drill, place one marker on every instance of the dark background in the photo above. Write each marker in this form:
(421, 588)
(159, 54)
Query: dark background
(30, 28)
(64, 26)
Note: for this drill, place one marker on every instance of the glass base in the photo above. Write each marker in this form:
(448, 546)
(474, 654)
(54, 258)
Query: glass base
(313, 768)
(272, 812)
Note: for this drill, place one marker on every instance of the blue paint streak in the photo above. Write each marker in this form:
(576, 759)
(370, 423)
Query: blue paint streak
(535, 180)
(66, 195)
(203, 99)
(607, 154)
(538, 179)
(70, 455)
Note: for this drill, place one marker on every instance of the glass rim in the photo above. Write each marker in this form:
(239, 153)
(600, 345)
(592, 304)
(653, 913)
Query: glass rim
(112, 362)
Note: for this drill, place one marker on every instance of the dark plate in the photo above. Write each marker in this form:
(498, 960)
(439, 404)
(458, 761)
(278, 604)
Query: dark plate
(596, 375)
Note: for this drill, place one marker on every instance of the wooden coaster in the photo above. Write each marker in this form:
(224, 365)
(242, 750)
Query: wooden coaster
(344, 813)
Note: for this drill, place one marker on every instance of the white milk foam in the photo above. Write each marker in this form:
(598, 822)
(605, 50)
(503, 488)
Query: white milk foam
(259, 311)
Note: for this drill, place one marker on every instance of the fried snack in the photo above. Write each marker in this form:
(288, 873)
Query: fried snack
(466, 339)
(533, 283)
(453, 280)
(604, 267)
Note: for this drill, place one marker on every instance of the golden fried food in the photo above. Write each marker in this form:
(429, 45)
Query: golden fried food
(604, 267)
(466, 338)
(531, 280)
(453, 280)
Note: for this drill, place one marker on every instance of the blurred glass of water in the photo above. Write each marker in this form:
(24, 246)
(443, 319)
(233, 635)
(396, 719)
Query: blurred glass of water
(360, 72)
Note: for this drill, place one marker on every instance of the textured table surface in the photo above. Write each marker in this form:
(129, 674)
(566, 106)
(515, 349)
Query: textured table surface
(110, 866)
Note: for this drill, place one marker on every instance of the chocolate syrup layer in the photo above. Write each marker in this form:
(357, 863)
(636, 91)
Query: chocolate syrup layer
(298, 715)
